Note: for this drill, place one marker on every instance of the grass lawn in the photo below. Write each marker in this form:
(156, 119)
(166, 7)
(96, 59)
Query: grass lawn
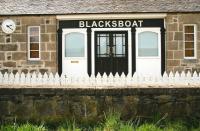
(112, 122)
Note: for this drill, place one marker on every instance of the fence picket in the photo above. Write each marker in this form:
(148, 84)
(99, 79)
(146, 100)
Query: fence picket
(39, 79)
(57, 79)
(165, 79)
(171, 78)
(17, 78)
(11, 78)
(116, 79)
(183, 78)
(45, 80)
(177, 78)
(22, 79)
(103, 81)
(110, 79)
(195, 78)
(1, 77)
(188, 78)
(62, 79)
(51, 79)
(92, 80)
(33, 79)
(123, 79)
(98, 79)
(5, 77)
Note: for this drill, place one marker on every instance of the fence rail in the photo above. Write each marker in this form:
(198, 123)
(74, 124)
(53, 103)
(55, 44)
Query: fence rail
(35, 79)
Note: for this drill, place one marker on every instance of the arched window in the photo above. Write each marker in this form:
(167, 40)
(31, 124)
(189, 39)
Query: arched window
(147, 44)
(74, 45)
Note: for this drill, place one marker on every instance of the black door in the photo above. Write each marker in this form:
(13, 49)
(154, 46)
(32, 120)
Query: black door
(111, 52)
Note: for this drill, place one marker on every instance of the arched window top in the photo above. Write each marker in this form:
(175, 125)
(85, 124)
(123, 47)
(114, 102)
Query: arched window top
(75, 34)
(149, 33)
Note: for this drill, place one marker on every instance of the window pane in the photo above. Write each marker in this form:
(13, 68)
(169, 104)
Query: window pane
(103, 48)
(189, 53)
(103, 42)
(34, 38)
(189, 45)
(34, 54)
(189, 37)
(120, 41)
(34, 46)
(148, 44)
(34, 31)
(74, 45)
(189, 29)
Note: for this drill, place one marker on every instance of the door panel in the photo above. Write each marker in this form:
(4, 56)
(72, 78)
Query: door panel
(74, 52)
(148, 58)
(111, 52)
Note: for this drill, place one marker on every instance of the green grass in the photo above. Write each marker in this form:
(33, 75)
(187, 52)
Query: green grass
(23, 127)
(68, 126)
(111, 122)
(148, 127)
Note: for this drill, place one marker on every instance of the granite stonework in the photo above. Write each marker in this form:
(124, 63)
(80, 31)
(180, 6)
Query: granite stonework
(174, 42)
(13, 47)
(85, 105)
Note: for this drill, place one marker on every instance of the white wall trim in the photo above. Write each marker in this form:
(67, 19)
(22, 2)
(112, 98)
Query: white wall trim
(111, 16)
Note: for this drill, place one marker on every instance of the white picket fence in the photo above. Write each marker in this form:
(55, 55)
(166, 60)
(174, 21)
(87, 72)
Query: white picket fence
(54, 80)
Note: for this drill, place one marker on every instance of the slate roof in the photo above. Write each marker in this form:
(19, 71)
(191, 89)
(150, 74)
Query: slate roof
(23, 7)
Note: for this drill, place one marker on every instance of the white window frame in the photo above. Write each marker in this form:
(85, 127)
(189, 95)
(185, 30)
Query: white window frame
(195, 41)
(29, 58)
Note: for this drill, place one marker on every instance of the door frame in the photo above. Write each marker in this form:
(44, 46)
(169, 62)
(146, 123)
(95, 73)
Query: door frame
(154, 30)
(77, 30)
(112, 29)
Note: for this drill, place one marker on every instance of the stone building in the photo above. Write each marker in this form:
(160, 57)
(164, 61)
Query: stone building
(90, 36)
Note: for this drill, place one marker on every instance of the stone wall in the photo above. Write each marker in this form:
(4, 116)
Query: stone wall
(86, 105)
(174, 42)
(13, 47)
